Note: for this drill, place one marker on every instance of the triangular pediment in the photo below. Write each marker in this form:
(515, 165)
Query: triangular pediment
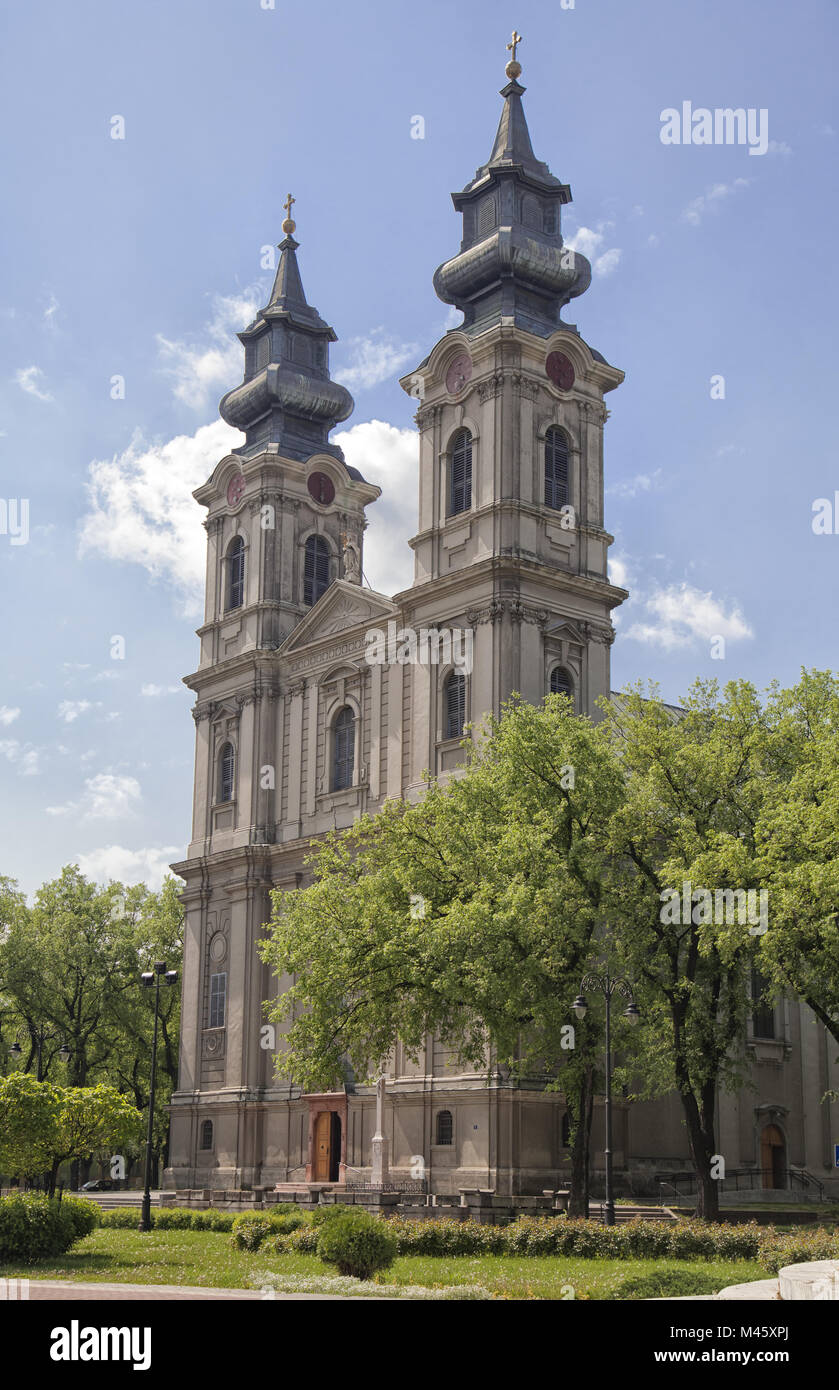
(342, 608)
(565, 631)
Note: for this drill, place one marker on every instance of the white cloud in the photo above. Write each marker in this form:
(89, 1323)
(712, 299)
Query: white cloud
(142, 509)
(70, 710)
(106, 796)
(696, 209)
(129, 866)
(202, 369)
(7, 715)
(51, 310)
(23, 756)
(372, 359)
(778, 147)
(632, 487)
(588, 242)
(389, 457)
(680, 614)
(30, 380)
(153, 690)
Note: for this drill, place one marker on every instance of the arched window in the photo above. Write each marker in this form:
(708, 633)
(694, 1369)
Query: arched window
(561, 682)
(343, 750)
(454, 705)
(556, 468)
(315, 570)
(207, 1134)
(235, 574)
(226, 772)
(460, 473)
(444, 1127)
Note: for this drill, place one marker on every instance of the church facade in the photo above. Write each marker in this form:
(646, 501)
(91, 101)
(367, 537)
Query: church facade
(299, 732)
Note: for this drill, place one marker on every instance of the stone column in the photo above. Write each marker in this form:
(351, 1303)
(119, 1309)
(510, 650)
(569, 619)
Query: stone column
(381, 1166)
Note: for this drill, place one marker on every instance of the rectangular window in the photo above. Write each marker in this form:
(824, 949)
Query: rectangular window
(218, 1000)
(763, 1015)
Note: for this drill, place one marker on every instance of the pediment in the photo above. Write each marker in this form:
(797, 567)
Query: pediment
(565, 631)
(342, 608)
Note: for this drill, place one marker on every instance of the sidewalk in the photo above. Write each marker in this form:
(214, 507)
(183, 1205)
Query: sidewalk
(62, 1290)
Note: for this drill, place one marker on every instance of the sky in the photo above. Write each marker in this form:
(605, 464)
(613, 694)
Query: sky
(129, 263)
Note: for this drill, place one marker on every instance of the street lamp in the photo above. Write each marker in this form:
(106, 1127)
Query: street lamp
(150, 979)
(607, 985)
(41, 1036)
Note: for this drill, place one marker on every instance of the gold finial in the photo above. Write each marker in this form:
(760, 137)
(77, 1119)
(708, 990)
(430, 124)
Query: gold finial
(513, 68)
(289, 225)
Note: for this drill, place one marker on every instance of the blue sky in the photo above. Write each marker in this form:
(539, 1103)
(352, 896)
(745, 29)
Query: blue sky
(141, 257)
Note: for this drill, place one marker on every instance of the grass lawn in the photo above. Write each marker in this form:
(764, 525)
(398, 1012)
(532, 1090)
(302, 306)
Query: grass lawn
(207, 1257)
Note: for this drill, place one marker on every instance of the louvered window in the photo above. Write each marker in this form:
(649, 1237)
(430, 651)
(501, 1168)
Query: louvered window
(556, 468)
(343, 750)
(226, 772)
(315, 570)
(460, 473)
(207, 1134)
(455, 706)
(236, 573)
(445, 1127)
(561, 683)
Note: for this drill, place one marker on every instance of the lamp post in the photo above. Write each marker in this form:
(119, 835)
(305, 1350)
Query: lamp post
(151, 979)
(607, 985)
(41, 1036)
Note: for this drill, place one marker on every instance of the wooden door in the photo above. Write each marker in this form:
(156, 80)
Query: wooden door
(772, 1157)
(323, 1146)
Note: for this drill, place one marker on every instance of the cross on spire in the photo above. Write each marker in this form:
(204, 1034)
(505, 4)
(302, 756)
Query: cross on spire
(511, 47)
(289, 224)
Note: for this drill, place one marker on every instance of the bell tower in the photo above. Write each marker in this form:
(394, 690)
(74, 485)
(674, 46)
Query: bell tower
(511, 538)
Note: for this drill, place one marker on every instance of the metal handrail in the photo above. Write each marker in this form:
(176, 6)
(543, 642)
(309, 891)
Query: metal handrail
(743, 1179)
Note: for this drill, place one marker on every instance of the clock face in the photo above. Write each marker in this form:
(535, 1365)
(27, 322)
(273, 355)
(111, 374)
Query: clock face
(235, 488)
(458, 374)
(321, 488)
(560, 370)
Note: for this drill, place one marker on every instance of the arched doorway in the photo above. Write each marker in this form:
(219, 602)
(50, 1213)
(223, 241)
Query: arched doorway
(773, 1157)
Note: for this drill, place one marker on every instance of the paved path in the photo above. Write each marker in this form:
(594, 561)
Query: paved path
(63, 1290)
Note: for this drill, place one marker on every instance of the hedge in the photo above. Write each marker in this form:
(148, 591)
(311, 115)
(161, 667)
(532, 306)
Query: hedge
(251, 1228)
(36, 1227)
(357, 1243)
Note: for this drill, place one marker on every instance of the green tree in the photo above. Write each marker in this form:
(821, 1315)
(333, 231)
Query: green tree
(693, 792)
(798, 838)
(471, 915)
(29, 1125)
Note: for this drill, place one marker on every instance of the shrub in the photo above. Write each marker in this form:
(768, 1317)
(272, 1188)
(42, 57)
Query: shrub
(667, 1283)
(251, 1228)
(323, 1213)
(212, 1220)
(36, 1227)
(122, 1218)
(800, 1247)
(173, 1218)
(85, 1215)
(359, 1244)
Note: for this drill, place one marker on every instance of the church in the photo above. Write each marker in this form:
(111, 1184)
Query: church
(299, 732)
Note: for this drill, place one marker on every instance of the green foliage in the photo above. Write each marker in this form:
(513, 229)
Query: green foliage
(43, 1125)
(326, 1212)
(357, 1243)
(123, 1218)
(83, 1214)
(251, 1228)
(35, 1227)
(799, 1247)
(667, 1283)
(169, 1219)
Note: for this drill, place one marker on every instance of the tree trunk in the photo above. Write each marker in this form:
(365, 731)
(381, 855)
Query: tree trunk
(700, 1129)
(582, 1111)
